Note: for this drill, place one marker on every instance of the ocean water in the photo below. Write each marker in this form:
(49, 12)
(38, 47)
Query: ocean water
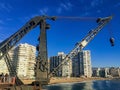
(90, 85)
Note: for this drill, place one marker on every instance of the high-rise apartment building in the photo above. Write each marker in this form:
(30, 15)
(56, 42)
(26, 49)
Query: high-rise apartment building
(82, 64)
(26, 60)
(23, 60)
(115, 71)
(65, 70)
(96, 72)
(3, 66)
(85, 63)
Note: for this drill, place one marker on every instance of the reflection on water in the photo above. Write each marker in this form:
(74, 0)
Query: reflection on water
(63, 86)
(88, 86)
(83, 86)
(91, 85)
(107, 85)
(71, 86)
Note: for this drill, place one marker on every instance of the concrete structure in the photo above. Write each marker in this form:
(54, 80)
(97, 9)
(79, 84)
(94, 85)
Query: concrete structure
(48, 65)
(26, 61)
(82, 64)
(75, 66)
(115, 72)
(23, 59)
(106, 72)
(65, 70)
(3, 67)
(96, 72)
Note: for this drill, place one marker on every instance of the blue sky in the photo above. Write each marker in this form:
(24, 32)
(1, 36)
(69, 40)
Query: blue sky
(65, 33)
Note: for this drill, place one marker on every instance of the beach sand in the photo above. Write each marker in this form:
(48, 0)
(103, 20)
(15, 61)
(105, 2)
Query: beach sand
(55, 80)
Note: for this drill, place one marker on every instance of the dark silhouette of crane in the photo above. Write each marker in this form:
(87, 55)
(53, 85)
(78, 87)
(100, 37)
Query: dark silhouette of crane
(8, 44)
(84, 42)
(41, 70)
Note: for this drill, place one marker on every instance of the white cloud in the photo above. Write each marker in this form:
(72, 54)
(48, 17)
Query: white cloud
(59, 10)
(64, 6)
(5, 6)
(85, 14)
(1, 22)
(9, 19)
(81, 1)
(1, 28)
(98, 11)
(95, 3)
(3, 36)
(44, 11)
(5, 20)
(1, 40)
(117, 5)
(25, 19)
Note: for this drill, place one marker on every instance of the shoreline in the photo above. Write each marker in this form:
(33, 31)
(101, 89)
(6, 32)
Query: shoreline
(59, 80)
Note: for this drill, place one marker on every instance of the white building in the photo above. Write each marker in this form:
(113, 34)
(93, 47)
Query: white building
(23, 61)
(96, 72)
(75, 66)
(65, 70)
(115, 71)
(3, 67)
(26, 61)
(85, 63)
(82, 64)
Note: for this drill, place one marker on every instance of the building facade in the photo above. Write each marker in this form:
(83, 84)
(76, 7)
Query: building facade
(107, 72)
(26, 61)
(3, 65)
(23, 60)
(115, 71)
(82, 64)
(95, 72)
(65, 70)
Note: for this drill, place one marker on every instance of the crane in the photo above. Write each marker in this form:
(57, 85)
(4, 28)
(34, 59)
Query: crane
(80, 45)
(41, 62)
(11, 41)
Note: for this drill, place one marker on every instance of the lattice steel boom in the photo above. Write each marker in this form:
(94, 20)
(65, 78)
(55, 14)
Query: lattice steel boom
(101, 23)
(10, 42)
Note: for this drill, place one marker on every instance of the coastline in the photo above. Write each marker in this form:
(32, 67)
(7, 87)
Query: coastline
(57, 80)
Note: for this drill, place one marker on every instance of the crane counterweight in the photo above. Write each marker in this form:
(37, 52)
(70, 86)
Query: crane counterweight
(112, 41)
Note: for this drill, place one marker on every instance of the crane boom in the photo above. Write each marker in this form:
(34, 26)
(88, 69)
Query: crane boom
(7, 44)
(101, 23)
(10, 42)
